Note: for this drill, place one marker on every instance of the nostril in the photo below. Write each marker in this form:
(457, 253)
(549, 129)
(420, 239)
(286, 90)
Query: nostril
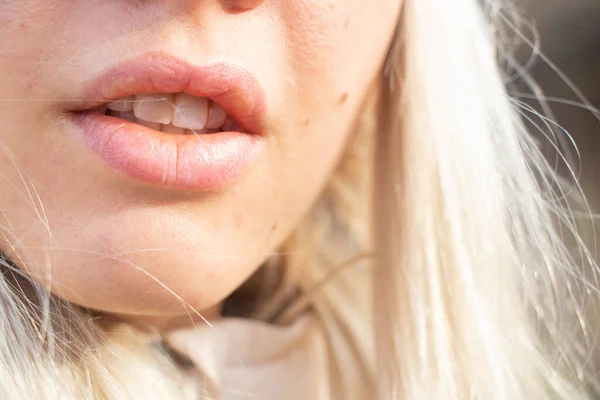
(237, 6)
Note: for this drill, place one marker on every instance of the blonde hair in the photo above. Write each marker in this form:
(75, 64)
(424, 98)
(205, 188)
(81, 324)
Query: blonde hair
(468, 293)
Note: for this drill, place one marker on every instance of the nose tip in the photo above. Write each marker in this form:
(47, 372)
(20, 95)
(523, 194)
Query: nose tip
(241, 5)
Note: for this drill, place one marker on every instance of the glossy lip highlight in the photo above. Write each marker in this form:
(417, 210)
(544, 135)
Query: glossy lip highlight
(191, 162)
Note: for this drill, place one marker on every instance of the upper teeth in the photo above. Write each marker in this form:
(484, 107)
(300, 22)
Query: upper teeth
(178, 110)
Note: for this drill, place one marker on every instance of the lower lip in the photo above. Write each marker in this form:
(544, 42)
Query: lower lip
(205, 162)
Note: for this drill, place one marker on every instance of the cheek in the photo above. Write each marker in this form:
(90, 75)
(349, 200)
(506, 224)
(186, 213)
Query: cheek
(335, 52)
(336, 46)
(31, 41)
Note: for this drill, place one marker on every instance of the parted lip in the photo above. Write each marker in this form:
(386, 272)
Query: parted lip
(232, 87)
(188, 162)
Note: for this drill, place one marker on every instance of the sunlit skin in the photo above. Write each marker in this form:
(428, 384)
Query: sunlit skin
(140, 250)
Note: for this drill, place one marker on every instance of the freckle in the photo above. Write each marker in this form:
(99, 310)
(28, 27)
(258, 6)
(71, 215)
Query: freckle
(22, 25)
(273, 228)
(346, 23)
(306, 121)
(343, 98)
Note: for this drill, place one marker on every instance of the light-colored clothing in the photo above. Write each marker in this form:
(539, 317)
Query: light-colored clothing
(240, 359)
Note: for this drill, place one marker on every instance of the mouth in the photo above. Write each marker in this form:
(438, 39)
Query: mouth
(161, 120)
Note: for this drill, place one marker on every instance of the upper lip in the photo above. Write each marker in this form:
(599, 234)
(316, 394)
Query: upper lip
(235, 89)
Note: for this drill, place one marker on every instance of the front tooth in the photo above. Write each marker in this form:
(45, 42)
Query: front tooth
(172, 129)
(152, 125)
(122, 105)
(190, 112)
(127, 115)
(216, 117)
(154, 108)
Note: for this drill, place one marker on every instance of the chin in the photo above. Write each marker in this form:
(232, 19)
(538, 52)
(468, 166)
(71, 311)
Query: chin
(143, 265)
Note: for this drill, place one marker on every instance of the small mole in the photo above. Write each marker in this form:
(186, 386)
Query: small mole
(273, 228)
(22, 24)
(306, 121)
(343, 98)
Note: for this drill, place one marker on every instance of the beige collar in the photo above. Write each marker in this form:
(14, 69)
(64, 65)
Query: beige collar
(239, 359)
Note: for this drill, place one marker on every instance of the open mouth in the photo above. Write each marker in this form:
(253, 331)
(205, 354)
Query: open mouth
(159, 119)
(177, 113)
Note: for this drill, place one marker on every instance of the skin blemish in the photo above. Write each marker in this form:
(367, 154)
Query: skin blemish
(343, 98)
(306, 121)
(274, 228)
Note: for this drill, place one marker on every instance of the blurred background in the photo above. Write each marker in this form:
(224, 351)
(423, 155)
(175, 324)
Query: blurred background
(569, 35)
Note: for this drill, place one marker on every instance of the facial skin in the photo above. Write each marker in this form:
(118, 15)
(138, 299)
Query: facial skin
(124, 246)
